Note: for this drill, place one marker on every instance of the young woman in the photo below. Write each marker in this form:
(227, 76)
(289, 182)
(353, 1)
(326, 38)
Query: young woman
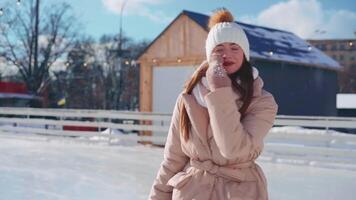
(219, 123)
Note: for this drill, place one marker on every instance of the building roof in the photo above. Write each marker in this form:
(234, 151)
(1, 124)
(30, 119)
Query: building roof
(332, 40)
(273, 44)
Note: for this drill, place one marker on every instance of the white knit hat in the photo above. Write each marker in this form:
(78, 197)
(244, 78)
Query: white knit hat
(227, 32)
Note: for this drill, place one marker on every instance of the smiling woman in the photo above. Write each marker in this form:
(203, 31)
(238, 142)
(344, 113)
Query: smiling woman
(218, 125)
(232, 54)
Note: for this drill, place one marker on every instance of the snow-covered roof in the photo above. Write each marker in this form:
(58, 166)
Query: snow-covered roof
(278, 45)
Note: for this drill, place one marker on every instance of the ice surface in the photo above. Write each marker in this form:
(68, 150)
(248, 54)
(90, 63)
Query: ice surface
(37, 167)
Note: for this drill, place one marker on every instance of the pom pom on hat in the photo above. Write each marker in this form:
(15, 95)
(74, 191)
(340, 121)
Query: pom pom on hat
(221, 15)
(224, 29)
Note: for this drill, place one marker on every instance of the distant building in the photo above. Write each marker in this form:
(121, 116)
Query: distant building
(344, 52)
(302, 78)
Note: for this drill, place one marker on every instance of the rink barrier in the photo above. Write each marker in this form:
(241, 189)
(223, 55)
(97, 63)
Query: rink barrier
(307, 147)
(164, 118)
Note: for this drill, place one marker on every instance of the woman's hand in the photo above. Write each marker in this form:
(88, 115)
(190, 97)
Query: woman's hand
(216, 75)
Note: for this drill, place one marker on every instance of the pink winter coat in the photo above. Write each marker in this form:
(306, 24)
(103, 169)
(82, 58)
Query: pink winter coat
(218, 160)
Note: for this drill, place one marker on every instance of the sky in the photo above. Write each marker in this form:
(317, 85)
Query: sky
(146, 19)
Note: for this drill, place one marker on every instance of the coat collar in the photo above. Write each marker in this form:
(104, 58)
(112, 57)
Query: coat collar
(193, 106)
(257, 86)
(199, 116)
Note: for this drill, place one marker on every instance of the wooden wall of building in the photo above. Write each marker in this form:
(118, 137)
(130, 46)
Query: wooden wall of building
(181, 44)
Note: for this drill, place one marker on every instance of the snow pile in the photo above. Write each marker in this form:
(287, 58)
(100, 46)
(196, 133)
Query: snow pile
(115, 137)
(301, 130)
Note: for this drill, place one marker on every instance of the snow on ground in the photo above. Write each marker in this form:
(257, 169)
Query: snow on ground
(38, 167)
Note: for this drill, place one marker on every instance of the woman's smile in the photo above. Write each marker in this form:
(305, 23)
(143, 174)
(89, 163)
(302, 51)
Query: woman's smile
(228, 63)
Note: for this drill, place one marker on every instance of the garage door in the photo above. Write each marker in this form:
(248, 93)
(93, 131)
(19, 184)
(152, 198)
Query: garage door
(168, 83)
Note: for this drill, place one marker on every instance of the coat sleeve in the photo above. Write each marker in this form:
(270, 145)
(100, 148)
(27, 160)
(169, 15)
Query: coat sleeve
(174, 160)
(235, 138)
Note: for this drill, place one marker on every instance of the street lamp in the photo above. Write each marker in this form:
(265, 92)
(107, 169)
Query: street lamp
(36, 31)
(120, 34)
(118, 92)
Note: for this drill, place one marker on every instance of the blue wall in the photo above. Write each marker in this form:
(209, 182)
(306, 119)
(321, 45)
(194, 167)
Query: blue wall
(298, 89)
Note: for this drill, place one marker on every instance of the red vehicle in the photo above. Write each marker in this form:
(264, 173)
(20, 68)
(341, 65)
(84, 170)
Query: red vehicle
(14, 94)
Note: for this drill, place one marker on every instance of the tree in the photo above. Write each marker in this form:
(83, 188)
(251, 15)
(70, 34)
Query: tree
(122, 80)
(85, 79)
(33, 37)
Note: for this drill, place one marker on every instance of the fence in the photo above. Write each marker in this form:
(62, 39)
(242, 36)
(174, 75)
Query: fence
(300, 146)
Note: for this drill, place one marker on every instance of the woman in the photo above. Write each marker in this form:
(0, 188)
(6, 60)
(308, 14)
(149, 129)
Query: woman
(218, 124)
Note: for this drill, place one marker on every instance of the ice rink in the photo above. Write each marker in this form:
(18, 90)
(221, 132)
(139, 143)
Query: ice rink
(36, 167)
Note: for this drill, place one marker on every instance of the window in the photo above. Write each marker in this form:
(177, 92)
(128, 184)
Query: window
(341, 57)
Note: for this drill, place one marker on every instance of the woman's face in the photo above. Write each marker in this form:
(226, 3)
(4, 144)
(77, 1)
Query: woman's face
(231, 54)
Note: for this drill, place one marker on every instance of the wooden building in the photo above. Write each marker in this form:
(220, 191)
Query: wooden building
(302, 78)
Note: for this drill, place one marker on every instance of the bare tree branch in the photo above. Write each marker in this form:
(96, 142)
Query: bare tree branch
(57, 31)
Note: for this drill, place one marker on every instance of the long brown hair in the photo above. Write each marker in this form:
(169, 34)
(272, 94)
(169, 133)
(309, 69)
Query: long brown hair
(245, 90)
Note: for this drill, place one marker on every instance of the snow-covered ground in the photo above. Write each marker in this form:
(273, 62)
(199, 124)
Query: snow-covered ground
(36, 167)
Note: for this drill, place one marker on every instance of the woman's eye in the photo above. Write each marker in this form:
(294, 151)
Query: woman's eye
(235, 49)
